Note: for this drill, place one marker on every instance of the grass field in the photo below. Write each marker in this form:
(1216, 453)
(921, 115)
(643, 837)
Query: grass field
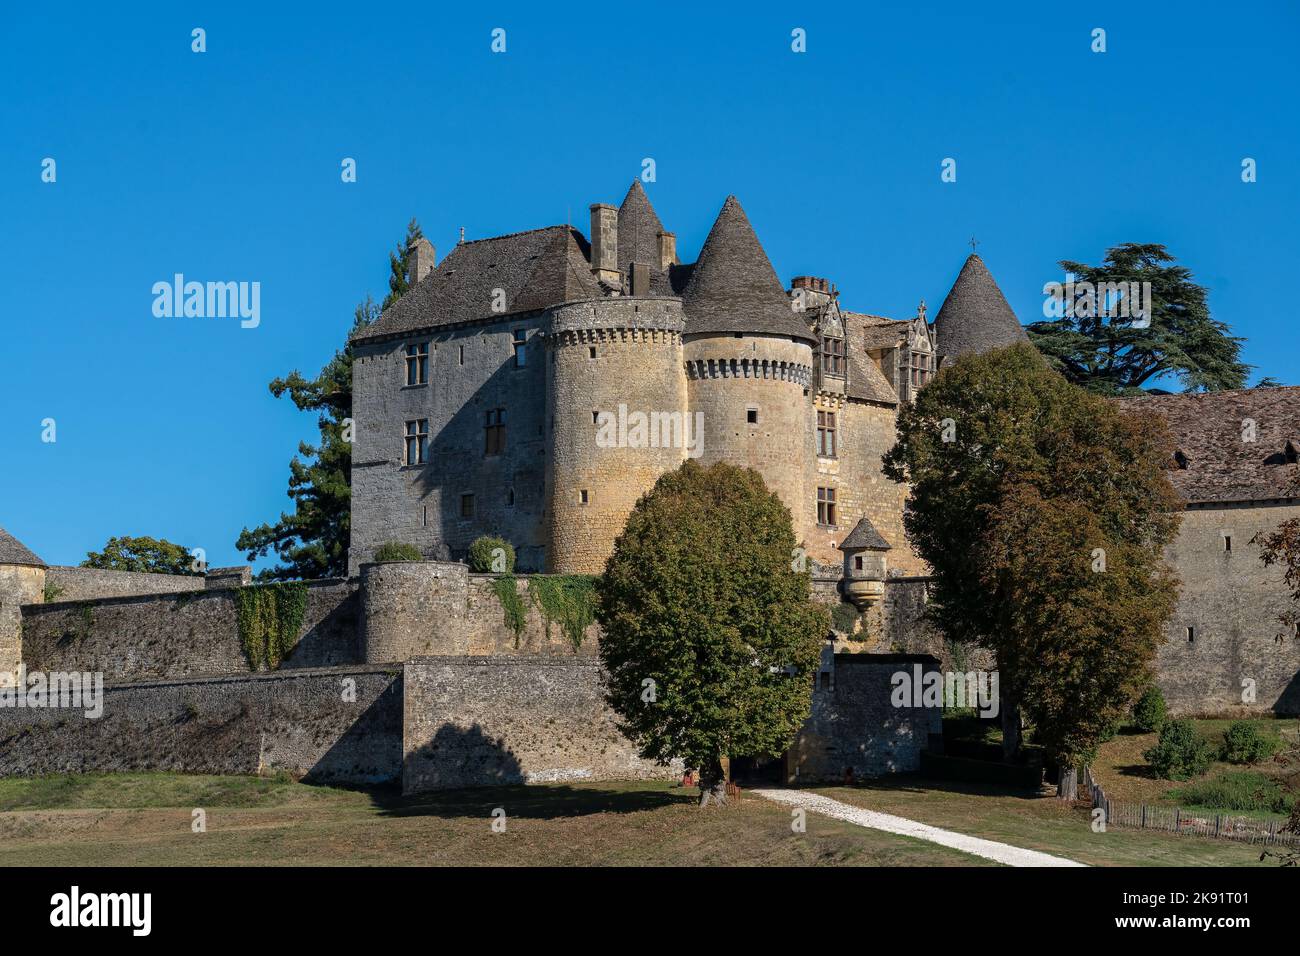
(130, 819)
(1125, 775)
(133, 819)
(1038, 823)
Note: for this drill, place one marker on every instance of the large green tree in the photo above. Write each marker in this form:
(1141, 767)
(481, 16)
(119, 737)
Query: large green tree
(142, 553)
(312, 542)
(1043, 511)
(1113, 356)
(710, 637)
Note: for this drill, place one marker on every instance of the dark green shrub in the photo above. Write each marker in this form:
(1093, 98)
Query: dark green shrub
(1149, 712)
(491, 555)
(1240, 790)
(398, 551)
(1245, 742)
(843, 617)
(1181, 753)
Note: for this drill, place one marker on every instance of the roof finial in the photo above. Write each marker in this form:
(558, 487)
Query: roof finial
(462, 233)
(973, 244)
(920, 311)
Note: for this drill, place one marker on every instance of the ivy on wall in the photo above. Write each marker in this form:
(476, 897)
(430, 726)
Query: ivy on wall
(511, 603)
(270, 616)
(565, 599)
(569, 599)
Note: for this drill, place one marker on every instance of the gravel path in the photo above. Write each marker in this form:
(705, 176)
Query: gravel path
(989, 849)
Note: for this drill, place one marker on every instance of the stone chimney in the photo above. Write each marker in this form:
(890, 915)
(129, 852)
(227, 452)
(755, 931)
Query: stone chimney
(667, 250)
(816, 291)
(604, 243)
(638, 274)
(422, 260)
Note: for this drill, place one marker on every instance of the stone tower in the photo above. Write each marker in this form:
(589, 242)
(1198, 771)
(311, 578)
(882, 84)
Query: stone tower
(22, 581)
(609, 362)
(749, 360)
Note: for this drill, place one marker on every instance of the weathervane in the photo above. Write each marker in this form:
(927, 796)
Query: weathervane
(973, 244)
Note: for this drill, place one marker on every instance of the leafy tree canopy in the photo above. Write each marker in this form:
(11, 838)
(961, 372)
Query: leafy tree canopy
(1117, 356)
(1043, 511)
(710, 638)
(312, 542)
(156, 555)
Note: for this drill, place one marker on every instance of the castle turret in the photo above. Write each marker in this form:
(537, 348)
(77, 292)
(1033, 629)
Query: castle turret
(865, 565)
(749, 361)
(616, 408)
(22, 581)
(975, 317)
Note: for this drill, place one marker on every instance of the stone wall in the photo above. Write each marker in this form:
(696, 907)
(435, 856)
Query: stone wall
(854, 725)
(483, 721)
(341, 725)
(85, 584)
(472, 371)
(171, 636)
(1232, 603)
(422, 609)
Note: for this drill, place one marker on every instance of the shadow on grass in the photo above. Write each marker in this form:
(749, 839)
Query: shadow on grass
(539, 802)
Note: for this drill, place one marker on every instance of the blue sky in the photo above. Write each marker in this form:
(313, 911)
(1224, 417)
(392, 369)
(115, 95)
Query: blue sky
(225, 166)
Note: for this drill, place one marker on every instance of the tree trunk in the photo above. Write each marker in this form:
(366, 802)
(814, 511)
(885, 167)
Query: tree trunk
(1010, 732)
(1067, 783)
(713, 784)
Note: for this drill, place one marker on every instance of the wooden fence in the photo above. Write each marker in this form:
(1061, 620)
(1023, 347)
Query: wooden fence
(1191, 823)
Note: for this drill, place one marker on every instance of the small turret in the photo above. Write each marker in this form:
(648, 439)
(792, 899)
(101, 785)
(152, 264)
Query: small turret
(22, 581)
(865, 565)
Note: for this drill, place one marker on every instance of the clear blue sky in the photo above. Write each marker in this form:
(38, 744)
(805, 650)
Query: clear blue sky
(225, 166)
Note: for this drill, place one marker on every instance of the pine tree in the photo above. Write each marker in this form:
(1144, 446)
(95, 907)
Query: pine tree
(1114, 356)
(312, 542)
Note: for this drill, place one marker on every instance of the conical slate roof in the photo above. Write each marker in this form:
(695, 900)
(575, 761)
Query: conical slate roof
(734, 288)
(976, 317)
(638, 229)
(13, 551)
(865, 536)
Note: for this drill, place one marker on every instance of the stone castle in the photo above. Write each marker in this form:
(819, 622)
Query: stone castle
(482, 396)
(533, 386)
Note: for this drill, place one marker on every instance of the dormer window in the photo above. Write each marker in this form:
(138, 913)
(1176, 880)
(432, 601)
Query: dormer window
(1180, 460)
(922, 368)
(1292, 452)
(832, 355)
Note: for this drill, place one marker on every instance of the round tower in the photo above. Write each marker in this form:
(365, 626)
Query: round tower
(749, 361)
(751, 393)
(617, 414)
(22, 581)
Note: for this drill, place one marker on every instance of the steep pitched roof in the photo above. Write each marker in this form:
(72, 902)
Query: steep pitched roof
(865, 381)
(733, 286)
(13, 551)
(975, 317)
(535, 269)
(638, 229)
(865, 536)
(881, 333)
(1208, 430)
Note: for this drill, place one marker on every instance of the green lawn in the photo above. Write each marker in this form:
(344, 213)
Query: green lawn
(135, 819)
(1038, 823)
(1125, 775)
